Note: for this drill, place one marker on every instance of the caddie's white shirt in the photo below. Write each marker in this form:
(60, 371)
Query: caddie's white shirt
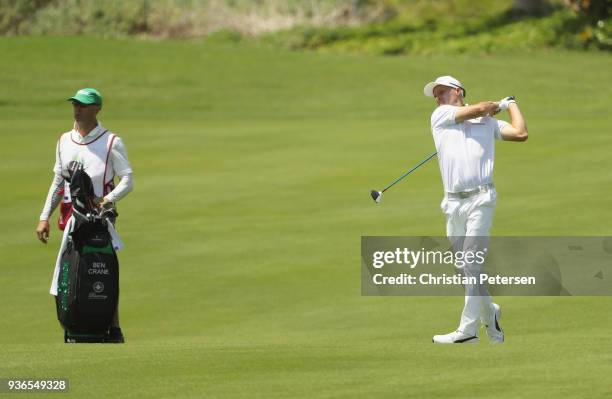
(466, 150)
(101, 153)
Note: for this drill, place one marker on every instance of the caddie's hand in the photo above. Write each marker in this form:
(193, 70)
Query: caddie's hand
(42, 231)
(505, 102)
(103, 202)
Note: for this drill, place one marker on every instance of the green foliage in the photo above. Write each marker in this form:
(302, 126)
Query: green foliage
(101, 18)
(15, 15)
(371, 26)
(593, 10)
(499, 32)
(180, 18)
(447, 12)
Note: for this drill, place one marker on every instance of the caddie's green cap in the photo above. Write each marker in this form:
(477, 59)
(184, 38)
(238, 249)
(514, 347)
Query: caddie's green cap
(87, 96)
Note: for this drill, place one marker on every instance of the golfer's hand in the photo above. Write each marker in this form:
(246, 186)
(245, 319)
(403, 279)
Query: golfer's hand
(491, 108)
(42, 231)
(504, 103)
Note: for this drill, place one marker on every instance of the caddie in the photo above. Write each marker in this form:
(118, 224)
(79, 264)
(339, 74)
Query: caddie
(464, 137)
(103, 157)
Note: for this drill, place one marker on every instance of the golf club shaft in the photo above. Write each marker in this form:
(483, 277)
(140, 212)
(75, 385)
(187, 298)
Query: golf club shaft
(410, 171)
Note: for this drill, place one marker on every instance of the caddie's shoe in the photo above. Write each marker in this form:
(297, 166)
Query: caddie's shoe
(456, 337)
(114, 336)
(494, 331)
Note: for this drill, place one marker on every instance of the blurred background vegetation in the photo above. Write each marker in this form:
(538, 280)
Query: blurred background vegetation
(372, 26)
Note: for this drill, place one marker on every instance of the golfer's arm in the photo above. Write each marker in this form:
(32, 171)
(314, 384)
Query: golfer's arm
(484, 108)
(53, 197)
(517, 131)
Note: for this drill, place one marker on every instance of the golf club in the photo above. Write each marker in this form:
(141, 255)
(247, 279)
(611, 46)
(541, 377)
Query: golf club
(377, 195)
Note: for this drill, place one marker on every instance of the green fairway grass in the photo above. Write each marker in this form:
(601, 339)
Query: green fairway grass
(252, 168)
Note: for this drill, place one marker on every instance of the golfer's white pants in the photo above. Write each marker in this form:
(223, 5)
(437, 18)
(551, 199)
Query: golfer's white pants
(468, 224)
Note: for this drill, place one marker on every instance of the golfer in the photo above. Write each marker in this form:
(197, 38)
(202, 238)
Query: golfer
(465, 136)
(103, 156)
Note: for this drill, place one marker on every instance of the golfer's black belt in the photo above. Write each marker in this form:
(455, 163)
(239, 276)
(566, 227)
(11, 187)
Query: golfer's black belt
(467, 194)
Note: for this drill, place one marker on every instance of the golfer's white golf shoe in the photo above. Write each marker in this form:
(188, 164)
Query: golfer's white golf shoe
(494, 331)
(456, 337)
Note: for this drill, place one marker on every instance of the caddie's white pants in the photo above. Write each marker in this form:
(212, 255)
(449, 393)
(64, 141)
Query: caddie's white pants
(468, 223)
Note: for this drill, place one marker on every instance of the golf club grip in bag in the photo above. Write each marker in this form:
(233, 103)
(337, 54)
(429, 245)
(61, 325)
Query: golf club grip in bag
(88, 282)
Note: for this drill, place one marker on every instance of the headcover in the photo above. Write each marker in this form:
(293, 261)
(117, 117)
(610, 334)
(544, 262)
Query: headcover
(82, 192)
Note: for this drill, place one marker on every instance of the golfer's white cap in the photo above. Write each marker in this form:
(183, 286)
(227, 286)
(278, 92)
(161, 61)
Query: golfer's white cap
(443, 81)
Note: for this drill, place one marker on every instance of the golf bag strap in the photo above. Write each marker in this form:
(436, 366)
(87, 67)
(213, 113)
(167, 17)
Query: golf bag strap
(108, 186)
(65, 204)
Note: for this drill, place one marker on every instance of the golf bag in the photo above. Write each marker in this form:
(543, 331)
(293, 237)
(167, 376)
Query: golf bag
(88, 282)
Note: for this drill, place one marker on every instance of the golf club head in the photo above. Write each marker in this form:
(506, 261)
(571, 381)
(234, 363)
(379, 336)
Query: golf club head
(376, 196)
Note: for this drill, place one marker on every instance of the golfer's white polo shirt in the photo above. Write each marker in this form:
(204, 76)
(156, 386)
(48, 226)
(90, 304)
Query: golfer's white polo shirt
(466, 150)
